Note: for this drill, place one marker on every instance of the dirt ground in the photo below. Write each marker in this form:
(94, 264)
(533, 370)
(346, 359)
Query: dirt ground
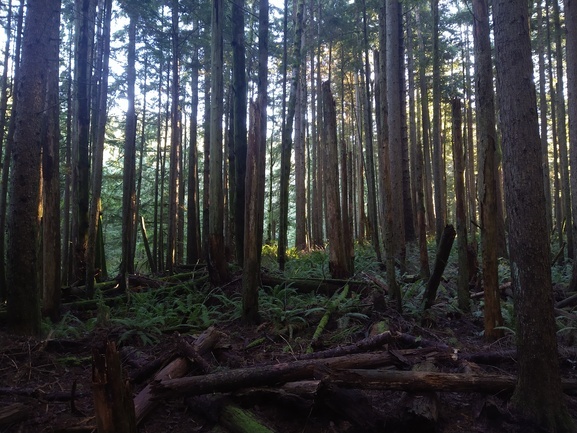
(51, 380)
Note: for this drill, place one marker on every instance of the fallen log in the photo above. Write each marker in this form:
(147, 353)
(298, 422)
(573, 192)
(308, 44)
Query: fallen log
(422, 381)
(143, 402)
(312, 285)
(232, 380)
(13, 413)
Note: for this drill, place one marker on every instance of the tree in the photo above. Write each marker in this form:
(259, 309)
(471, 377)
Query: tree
(84, 33)
(51, 281)
(216, 259)
(239, 102)
(175, 144)
(339, 255)
(287, 134)
(487, 155)
(23, 259)
(98, 152)
(571, 23)
(538, 396)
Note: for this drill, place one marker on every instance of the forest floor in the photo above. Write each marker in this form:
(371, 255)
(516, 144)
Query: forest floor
(46, 385)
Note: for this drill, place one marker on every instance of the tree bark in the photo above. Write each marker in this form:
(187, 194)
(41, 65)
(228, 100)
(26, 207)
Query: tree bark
(488, 176)
(461, 208)
(538, 396)
(23, 258)
(443, 252)
(217, 259)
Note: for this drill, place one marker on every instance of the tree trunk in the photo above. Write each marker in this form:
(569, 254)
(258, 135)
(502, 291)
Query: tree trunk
(85, 19)
(488, 176)
(438, 163)
(368, 141)
(538, 396)
(239, 101)
(51, 183)
(394, 119)
(217, 259)
(461, 208)
(98, 151)
(287, 135)
(23, 259)
(426, 127)
(175, 145)
(255, 182)
(193, 251)
(339, 264)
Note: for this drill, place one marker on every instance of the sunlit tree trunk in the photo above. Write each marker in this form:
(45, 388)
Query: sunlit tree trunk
(538, 396)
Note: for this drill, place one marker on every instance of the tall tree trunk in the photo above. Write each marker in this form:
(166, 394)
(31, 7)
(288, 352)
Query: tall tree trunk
(339, 263)
(417, 161)
(426, 127)
(538, 396)
(571, 47)
(543, 115)
(488, 175)
(461, 207)
(255, 181)
(562, 131)
(393, 88)
(51, 181)
(369, 150)
(128, 179)
(438, 164)
(300, 161)
(239, 97)
(85, 19)
(217, 260)
(286, 150)
(175, 145)
(23, 259)
(8, 153)
(193, 251)
(98, 152)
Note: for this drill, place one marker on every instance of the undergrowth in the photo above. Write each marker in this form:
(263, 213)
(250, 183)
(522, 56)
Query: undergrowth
(149, 314)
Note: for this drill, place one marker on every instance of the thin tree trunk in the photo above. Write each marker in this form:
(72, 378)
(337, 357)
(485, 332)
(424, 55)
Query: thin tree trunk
(98, 152)
(175, 146)
(217, 260)
(193, 252)
(286, 150)
(438, 164)
(128, 180)
(461, 208)
(239, 102)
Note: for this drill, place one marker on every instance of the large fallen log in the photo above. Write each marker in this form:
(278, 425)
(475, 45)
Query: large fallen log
(232, 380)
(314, 285)
(421, 381)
